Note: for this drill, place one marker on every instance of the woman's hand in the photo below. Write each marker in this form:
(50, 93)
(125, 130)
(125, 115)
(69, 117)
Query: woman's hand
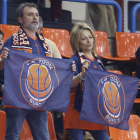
(76, 79)
(85, 66)
(73, 66)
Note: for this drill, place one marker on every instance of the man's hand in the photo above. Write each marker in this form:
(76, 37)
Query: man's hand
(2, 88)
(4, 53)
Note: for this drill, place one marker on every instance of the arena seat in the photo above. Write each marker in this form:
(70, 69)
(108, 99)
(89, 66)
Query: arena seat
(61, 39)
(59, 36)
(132, 134)
(115, 71)
(102, 47)
(63, 116)
(26, 133)
(127, 44)
(8, 30)
(51, 127)
(133, 73)
(137, 100)
(2, 124)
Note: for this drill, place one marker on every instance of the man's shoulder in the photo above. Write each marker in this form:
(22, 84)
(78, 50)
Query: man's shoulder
(49, 41)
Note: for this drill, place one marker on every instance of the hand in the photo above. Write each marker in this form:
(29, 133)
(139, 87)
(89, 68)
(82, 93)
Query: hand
(2, 88)
(85, 66)
(73, 66)
(4, 53)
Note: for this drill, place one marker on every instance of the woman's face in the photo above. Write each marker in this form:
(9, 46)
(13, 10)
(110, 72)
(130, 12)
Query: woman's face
(86, 41)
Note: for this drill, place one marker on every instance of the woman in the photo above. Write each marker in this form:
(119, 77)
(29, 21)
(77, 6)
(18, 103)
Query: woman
(82, 40)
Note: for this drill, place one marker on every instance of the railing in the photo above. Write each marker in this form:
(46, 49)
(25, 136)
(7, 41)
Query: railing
(106, 2)
(133, 17)
(4, 12)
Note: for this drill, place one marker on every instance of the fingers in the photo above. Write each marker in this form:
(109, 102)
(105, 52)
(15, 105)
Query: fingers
(86, 64)
(5, 53)
(73, 67)
(2, 88)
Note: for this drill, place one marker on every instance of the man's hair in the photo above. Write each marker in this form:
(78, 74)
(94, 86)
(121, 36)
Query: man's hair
(1, 33)
(20, 8)
(40, 22)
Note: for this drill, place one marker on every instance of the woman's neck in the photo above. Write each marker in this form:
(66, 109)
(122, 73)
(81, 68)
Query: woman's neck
(88, 54)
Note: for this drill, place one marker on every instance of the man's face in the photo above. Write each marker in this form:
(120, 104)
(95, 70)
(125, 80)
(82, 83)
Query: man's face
(1, 41)
(30, 18)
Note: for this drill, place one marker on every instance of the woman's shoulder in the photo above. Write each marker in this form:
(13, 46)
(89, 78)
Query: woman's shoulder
(75, 56)
(97, 56)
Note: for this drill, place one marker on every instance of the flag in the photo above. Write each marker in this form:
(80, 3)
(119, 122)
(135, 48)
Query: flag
(108, 98)
(37, 82)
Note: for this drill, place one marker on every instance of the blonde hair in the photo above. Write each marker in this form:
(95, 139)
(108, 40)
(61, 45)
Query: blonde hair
(75, 36)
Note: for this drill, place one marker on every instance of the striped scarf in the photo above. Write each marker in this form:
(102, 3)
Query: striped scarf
(21, 42)
(81, 54)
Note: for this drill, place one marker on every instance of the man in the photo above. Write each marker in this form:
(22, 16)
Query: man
(53, 49)
(27, 40)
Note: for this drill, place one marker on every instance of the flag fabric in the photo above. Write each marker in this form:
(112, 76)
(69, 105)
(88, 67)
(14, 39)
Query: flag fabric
(37, 82)
(108, 98)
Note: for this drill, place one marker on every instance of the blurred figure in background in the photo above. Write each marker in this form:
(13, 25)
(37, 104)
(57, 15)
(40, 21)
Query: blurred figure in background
(54, 50)
(103, 18)
(1, 71)
(56, 54)
(56, 10)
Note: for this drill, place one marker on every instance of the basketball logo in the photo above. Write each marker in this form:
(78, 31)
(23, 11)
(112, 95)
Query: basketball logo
(111, 99)
(38, 79)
